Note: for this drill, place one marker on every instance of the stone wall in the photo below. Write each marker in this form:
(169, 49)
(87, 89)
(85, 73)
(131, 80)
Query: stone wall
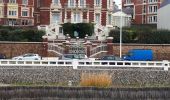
(62, 75)
(161, 51)
(11, 49)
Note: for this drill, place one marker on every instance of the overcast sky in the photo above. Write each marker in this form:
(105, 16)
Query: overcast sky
(118, 2)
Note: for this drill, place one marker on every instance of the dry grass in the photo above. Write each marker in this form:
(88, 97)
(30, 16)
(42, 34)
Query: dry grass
(97, 80)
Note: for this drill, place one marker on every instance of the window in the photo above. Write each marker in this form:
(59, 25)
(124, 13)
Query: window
(82, 3)
(76, 18)
(128, 2)
(12, 13)
(153, 8)
(12, 1)
(56, 17)
(153, 1)
(56, 2)
(11, 22)
(144, 9)
(71, 3)
(109, 19)
(152, 19)
(98, 2)
(26, 22)
(24, 13)
(97, 18)
(144, 1)
(25, 2)
(38, 3)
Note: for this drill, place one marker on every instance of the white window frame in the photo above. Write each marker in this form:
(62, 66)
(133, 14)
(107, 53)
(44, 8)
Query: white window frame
(38, 3)
(25, 2)
(82, 5)
(97, 21)
(152, 19)
(109, 18)
(152, 1)
(23, 13)
(128, 1)
(77, 18)
(56, 3)
(71, 3)
(152, 9)
(12, 13)
(12, 1)
(58, 18)
(98, 3)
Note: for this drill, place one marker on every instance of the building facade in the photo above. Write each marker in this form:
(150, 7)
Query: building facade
(17, 12)
(144, 11)
(73, 11)
(163, 16)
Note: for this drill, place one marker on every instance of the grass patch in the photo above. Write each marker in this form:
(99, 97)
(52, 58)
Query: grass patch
(96, 80)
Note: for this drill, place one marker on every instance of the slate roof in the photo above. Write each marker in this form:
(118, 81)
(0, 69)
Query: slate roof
(164, 3)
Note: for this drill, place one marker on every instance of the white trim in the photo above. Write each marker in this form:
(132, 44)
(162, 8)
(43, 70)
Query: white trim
(72, 17)
(25, 9)
(98, 6)
(70, 5)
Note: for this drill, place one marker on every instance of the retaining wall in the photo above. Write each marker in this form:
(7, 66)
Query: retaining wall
(12, 49)
(62, 75)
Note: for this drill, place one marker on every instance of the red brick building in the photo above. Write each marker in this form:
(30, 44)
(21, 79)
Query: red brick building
(144, 11)
(17, 12)
(74, 11)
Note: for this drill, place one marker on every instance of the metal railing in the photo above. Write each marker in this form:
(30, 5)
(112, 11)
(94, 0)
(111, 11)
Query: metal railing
(55, 48)
(95, 64)
(97, 50)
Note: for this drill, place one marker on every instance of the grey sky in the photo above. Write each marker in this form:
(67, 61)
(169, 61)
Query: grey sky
(118, 2)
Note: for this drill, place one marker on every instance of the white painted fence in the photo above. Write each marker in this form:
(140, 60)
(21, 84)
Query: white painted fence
(88, 63)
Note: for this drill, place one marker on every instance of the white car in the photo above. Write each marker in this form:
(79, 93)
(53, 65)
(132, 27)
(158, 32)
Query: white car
(29, 56)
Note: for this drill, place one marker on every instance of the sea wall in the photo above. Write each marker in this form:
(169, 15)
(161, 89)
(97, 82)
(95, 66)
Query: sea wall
(62, 75)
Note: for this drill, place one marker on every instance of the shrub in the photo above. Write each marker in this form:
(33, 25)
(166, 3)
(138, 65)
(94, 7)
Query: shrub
(97, 80)
(143, 34)
(20, 34)
(81, 28)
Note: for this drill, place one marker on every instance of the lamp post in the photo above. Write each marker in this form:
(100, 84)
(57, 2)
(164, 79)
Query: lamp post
(121, 32)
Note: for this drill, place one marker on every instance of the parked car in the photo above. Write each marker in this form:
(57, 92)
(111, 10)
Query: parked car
(2, 56)
(110, 57)
(139, 55)
(73, 56)
(28, 56)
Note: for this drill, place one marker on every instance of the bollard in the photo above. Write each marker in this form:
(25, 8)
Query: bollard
(166, 65)
(75, 63)
(69, 83)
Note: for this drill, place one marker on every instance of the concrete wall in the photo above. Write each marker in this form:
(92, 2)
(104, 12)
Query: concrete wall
(163, 17)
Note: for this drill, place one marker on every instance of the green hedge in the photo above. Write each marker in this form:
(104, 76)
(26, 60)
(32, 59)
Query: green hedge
(143, 34)
(21, 35)
(81, 28)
